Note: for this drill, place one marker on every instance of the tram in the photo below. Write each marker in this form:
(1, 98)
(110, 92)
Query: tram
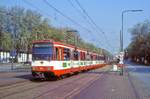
(50, 58)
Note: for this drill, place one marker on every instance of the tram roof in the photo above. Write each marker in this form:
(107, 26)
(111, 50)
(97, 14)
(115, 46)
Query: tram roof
(63, 44)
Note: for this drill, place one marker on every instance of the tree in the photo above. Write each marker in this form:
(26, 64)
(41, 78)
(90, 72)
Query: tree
(19, 27)
(6, 41)
(140, 45)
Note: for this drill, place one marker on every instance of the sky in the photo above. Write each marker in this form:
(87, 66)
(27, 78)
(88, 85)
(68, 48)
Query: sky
(106, 14)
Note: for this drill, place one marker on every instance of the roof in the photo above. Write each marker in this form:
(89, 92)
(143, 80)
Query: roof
(63, 44)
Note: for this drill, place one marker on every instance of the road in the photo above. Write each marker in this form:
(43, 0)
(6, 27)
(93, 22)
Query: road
(95, 84)
(140, 75)
(20, 85)
(135, 84)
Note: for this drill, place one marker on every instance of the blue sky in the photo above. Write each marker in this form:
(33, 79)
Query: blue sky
(105, 13)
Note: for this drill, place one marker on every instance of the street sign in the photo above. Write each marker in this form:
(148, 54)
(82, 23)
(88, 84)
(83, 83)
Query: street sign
(121, 56)
(115, 67)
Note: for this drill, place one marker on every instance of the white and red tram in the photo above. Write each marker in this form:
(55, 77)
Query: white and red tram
(51, 58)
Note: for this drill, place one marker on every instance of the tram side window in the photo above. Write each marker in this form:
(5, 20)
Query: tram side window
(99, 58)
(91, 57)
(82, 56)
(57, 54)
(76, 55)
(96, 57)
(88, 56)
(66, 54)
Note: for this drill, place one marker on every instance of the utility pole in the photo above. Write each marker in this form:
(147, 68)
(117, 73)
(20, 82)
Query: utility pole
(121, 38)
(75, 37)
(120, 41)
(0, 40)
(122, 23)
(0, 37)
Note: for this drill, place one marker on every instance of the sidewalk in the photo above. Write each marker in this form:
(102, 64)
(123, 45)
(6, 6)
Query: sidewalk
(109, 86)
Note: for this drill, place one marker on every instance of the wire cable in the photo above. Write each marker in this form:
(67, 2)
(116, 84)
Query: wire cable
(92, 21)
(84, 17)
(61, 13)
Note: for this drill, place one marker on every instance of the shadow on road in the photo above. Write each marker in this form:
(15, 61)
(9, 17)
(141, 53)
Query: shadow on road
(27, 76)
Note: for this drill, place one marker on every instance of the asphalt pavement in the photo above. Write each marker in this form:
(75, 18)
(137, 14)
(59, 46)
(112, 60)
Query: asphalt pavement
(27, 88)
(140, 75)
(109, 86)
(134, 84)
(95, 84)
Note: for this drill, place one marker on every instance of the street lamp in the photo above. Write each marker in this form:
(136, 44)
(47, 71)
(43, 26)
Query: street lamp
(121, 34)
(121, 40)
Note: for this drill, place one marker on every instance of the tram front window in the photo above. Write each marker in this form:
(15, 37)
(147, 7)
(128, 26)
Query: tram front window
(42, 51)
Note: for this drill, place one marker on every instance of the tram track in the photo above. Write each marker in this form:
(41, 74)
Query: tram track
(9, 86)
(41, 88)
(70, 87)
(82, 84)
(12, 83)
(27, 86)
(75, 92)
(18, 89)
(8, 79)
